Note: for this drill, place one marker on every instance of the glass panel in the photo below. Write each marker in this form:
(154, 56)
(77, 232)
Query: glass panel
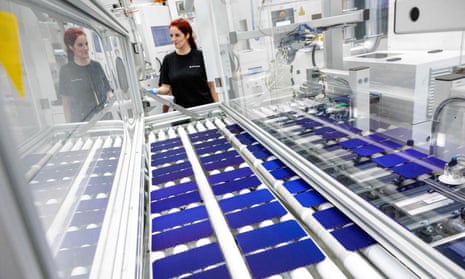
(67, 125)
(388, 124)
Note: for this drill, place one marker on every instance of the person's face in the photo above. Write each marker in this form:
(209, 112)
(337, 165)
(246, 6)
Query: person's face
(178, 38)
(81, 48)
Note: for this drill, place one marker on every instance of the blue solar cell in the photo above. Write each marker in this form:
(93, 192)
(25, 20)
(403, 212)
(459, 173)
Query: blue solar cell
(88, 217)
(411, 170)
(203, 136)
(172, 176)
(234, 128)
(245, 138)
(207, 144)
(283, 173)
(255, 214)
(219, 157)
(213, 273)
(334, 135)
(165, 144)
(259, 151)
(350, 128)
(246, 200)
(175, 202)
(353, 238)
(331, 218)
(93, 204)
(377, 137)
(390, 144)
(97, 189)
(180, 218)
(223, 164)
(170, 159)
(297, 186)
(162, 171)
(309, 124)
(236, 185)
(324, 130)
(215, 148)
(435, 162)
(368, 150)
(168, 153)
(284, 258)
(310, 198)
(230, 175)
(80, 238)
(269, 236)
(100, 181)
(390, 160)
(353, 143)
(185, 234)
(415, 153)
(82, 256)
(173, 190)
(273, 164)
(188, 261)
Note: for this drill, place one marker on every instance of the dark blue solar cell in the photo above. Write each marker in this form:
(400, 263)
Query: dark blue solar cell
(411, 170)
(377, 137)
(185, 234)
(297, 186)
(175, 202)
(173, 190)
(206, 144)
(236, 185)
(390, 160)
(334, 135)
(353, 238)
(353, 143)
(331, 218)
(218, 157)
(310, 198)
(162, 171)
(188, 261)
(283, 173)
(246, 200)
(269, 236)
(245, 138)
(88, 217)
(172, 176)
(234, 128)
(80, 238)
(93, 204)
(170, 159)
(324, 130)
(230, 175)
(82, 256)
(179, 218)
(223, 164)
(390, 144)
(368, 150)
(273, 164)
(213, 273)
(165, 144)
(350, 128)
(415, 153)
(255, 214)
(205, 135)
(434, 162)
(284, 258)
(215, 148)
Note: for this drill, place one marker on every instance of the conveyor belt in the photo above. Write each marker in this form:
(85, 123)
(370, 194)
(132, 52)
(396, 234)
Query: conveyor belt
(271, 240)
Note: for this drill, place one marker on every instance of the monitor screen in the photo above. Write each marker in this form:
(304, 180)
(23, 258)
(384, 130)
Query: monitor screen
(161, 35)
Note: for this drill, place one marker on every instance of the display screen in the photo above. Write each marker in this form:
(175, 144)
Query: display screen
(161, 35)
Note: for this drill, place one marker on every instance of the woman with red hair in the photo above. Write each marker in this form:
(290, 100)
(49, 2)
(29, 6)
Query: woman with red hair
(83, 87)
(183, 72)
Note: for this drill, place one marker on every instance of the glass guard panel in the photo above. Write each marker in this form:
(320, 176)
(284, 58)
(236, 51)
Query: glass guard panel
(67, 125)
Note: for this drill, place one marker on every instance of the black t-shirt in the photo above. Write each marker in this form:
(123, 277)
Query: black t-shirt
(87, 87)
(187, 77)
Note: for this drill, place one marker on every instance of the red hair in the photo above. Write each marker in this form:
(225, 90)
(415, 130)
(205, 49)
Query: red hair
(70, 36)
(185, 27)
